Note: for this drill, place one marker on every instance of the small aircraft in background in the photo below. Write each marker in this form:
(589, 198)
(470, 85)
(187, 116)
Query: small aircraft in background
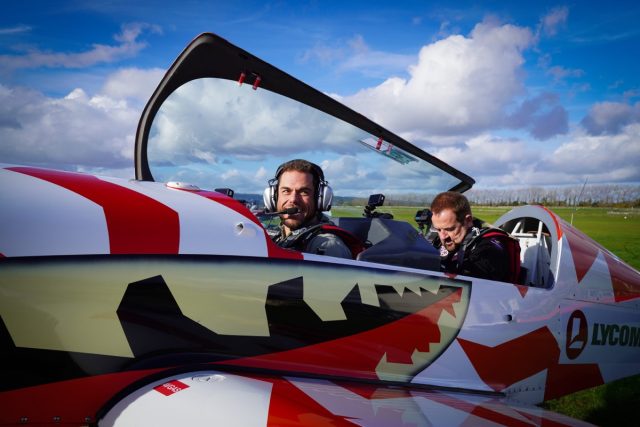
(158, 301)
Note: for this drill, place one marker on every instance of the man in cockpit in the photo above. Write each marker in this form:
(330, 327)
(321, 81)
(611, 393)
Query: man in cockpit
(300, 194)
(487, 253)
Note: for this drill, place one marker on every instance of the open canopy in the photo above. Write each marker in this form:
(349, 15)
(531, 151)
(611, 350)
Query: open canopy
(222, 118)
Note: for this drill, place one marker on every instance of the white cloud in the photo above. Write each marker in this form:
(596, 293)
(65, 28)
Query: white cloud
(551, 23)
(346, 172)
(128, 46)
(133, 83)
(560, 73)
(487, 155)
(373, 63)
(263, 175)
(607, 157)
(542, 116)
(325, 55)
(268, 126)
(460, 85)
(606, 118)
(77, 131)
(356, 56)
(497, 162)
(15, 30)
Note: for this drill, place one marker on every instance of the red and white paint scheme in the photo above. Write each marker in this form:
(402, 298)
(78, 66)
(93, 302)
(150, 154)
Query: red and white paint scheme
(155, 301)
(75, 214)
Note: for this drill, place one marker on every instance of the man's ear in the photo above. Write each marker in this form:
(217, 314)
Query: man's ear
(468, 220)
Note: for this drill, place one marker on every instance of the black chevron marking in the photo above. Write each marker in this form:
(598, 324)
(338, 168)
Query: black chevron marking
(156, 328)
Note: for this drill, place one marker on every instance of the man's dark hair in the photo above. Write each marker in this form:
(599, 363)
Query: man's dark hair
(453, 200)
(305, 166)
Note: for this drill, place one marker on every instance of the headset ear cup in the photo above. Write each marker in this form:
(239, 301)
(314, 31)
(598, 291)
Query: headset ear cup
(325, 197)
(269, 199)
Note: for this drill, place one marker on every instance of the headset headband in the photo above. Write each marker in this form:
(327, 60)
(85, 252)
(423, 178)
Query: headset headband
(315, 170)
(324, 194)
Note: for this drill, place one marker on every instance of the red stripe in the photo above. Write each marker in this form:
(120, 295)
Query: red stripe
(486, 358)
(583, 251)
(565, 379)
(555, 220)
(289, 406)
(359, 355)
(275, 251)
(75, 402)
(137, 224)
(625, 280)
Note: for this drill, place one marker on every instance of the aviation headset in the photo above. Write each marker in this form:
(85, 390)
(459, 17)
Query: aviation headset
(324, 193)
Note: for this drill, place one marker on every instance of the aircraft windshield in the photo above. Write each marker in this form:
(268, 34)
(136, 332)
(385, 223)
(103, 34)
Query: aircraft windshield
(217, 133)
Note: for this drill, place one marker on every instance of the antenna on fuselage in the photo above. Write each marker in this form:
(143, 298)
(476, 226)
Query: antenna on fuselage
(575, 208)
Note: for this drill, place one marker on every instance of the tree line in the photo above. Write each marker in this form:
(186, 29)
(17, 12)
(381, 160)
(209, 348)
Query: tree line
(588, 195)
(613, 195)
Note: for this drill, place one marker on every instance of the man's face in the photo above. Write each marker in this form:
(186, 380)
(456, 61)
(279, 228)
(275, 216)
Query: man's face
(295, 189)
(450, 230)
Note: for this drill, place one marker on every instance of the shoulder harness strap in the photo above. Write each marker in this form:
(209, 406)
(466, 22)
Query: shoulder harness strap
(298, 239)
(511, 245)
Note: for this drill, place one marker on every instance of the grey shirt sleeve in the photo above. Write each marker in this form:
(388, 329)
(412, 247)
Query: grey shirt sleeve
(330, 245)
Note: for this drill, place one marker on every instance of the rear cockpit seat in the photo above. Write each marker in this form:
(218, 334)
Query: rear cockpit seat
(535, 252)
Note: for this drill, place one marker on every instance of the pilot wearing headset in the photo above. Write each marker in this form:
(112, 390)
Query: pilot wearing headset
(301, 194)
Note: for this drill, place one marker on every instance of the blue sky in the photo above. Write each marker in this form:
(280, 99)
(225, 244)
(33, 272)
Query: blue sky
(513, 94)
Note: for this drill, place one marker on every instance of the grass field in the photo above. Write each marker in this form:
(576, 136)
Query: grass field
(618, 230)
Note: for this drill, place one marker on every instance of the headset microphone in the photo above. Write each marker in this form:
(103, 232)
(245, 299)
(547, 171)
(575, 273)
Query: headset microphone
(288, 211)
